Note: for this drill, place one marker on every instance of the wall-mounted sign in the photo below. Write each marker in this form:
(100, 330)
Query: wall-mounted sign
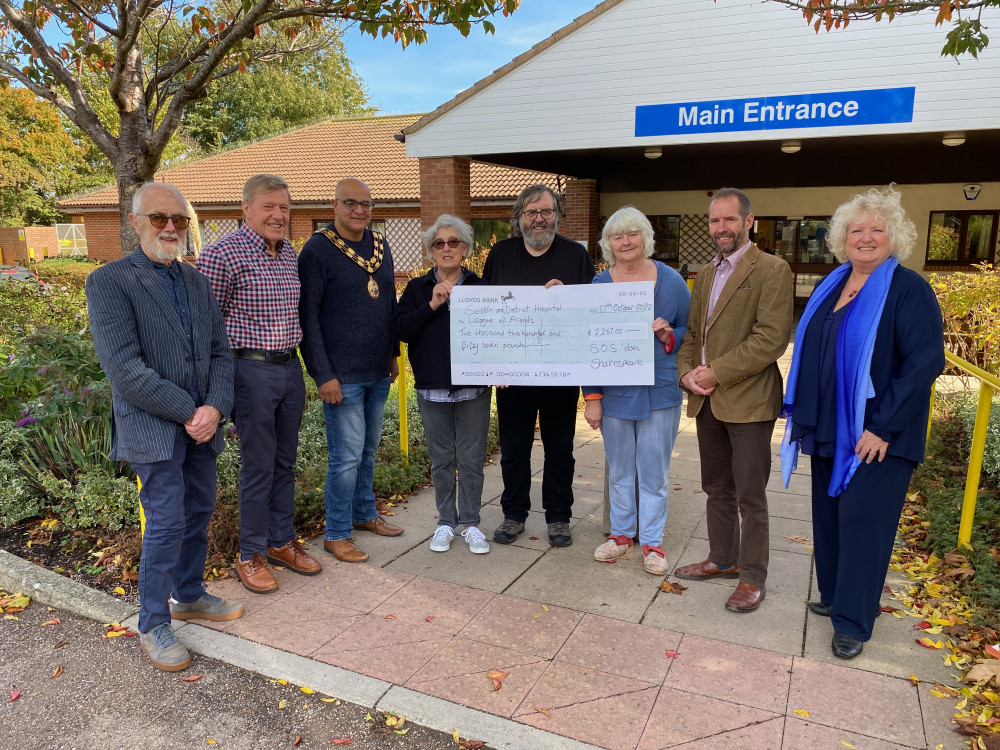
(832, 109)
(971, 191)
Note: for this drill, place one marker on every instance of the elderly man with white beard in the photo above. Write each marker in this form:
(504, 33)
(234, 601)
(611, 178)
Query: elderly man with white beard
(161, 341)
(537, 255)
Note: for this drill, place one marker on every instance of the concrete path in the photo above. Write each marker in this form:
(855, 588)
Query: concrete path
(584, 644)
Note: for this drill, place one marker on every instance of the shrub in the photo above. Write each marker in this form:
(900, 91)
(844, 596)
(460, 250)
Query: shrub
(27, 306)
(971, 315)
(964, 408)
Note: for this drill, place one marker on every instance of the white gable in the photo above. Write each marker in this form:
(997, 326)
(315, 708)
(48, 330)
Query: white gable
(582, 92)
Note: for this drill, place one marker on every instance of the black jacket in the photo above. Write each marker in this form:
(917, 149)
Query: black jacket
(427, 331)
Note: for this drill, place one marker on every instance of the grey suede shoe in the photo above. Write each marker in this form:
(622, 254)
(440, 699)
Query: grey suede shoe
(208, 607)
(507, 532)
(163, 648)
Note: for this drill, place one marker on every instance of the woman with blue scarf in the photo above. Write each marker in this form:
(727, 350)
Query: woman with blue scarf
(867, 351)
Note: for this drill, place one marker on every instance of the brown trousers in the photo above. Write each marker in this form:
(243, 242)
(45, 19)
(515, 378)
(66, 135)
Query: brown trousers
(735, 467)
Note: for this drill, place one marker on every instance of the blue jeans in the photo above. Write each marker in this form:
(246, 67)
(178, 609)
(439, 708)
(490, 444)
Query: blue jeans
(268, 413)
(177, 498)
(353, 431)
(640, 446)
(456, 438)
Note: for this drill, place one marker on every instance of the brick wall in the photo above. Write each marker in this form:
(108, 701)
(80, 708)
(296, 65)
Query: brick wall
(14, 250)
(444, 189)
(582, 211)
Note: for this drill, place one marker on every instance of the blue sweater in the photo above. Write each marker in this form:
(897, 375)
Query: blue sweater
(671, 299)
(346, 334)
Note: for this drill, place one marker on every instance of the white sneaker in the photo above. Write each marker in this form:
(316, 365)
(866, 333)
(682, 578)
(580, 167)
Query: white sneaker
(476, 540)
(441, 541)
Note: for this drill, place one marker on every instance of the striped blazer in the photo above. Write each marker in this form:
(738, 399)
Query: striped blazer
(143, 349)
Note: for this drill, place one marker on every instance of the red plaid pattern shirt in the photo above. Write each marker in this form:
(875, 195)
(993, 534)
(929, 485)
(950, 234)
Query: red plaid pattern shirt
(258, 294)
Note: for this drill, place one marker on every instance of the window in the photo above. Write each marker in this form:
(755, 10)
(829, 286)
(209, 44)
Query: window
(490, 231)
(962, 237)
(666, 233)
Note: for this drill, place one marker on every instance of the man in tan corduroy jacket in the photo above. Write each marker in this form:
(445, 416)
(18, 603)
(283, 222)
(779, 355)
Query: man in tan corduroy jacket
(739, 325)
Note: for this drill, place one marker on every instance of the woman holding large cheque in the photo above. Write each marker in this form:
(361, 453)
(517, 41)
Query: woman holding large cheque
(640, 423)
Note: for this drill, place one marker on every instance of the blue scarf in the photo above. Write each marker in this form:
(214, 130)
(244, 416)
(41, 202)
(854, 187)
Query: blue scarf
(855, 344)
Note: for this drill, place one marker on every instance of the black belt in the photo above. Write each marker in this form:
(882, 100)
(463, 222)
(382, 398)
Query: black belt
(265, 355)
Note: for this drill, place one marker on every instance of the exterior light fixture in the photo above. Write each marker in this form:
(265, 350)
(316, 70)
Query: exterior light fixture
(653, 152)
(953, 139)
(791, 147)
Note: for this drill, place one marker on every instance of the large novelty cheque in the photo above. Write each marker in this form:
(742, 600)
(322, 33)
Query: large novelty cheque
(585, 334)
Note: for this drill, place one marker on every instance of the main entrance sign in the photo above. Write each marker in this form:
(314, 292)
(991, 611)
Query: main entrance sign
(831, 109)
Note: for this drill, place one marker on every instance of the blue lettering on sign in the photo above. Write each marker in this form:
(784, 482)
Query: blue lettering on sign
(873, 107)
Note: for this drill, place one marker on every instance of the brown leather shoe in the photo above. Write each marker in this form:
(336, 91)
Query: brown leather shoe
(345, 550)
(294, 557)
(746, 598)
(255, 576)
(706, 569)
(380, 526)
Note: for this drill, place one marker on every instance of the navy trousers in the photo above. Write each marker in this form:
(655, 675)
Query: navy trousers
(177, 498)
(267, 411)
(853, 537)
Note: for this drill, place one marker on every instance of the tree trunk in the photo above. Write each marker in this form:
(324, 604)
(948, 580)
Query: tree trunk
(135, 166)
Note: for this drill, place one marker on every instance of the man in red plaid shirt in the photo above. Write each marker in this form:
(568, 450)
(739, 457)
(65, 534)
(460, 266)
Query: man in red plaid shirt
(254, 276)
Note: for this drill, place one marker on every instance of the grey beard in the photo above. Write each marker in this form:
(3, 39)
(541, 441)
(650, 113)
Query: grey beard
(167, 255)
(540, 243)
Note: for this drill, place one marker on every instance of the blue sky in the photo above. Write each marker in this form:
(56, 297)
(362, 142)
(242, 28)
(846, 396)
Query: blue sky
(422, 77)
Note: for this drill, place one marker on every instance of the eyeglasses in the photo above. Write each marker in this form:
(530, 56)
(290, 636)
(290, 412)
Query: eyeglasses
(350, 204)
(452, 243)
(545, 213)
(160, 220)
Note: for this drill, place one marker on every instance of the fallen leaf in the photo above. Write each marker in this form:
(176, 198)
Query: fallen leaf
(14, 695)
(61, 644)
(928, 643)
(797, 539)
(672, 654)
(390, 617)
(120, 591)
(368, 717)
(983, 669)
(992, 651)
(533, 538)
(298, 740)
(669, 587)
(330, 700)
(543, 711)
(496, 676)
(192, 678)
(545, 608)
(282, 703)
(343, 741)
(914, 680)
(212, 742)
(59, 671)
(307, 690)
(282, 682)
(848, 745)
(429, 618)
(401, 731)
(394, 721)
(53, 621)
(947, 691)
(800, 712)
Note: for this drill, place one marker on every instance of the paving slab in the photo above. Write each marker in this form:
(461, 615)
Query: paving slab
(530, 626)
(780, 531)
(638, 652)
(888, 708)
(775, 626)
(570, 577)
(802, 733)
(788, 573)
(731, 672)
(678, 718)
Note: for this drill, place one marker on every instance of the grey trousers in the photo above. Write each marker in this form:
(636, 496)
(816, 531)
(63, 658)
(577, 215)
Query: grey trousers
(456, 439)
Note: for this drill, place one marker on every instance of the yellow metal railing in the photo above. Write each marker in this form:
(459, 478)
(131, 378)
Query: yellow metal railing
(988, 383)
(404, 438)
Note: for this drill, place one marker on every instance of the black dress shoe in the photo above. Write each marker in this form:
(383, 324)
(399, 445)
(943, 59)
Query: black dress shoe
(820, 608)
(823, 609)
(846, 646)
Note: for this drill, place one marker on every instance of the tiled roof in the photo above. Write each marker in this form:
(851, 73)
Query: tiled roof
(313, 158)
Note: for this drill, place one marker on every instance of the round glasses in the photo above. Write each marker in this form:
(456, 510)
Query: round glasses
(160, 220)
(452, 243)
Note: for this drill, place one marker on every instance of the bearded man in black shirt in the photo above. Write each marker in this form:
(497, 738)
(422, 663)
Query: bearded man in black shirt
(537, 255)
